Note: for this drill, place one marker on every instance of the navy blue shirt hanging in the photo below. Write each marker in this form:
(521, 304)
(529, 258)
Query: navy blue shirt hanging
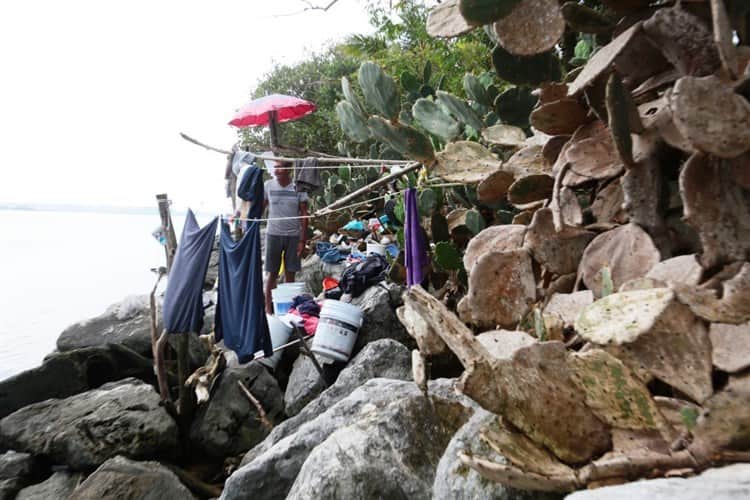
(183, 299)
(240, 311)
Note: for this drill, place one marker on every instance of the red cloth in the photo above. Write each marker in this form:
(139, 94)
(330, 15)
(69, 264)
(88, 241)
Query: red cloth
(310, 322)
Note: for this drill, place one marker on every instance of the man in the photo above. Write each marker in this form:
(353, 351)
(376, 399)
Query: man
(284, 233)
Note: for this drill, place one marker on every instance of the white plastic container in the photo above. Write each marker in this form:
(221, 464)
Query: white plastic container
(337, 330)
(280, 334)
(284, 294)
(375, 248)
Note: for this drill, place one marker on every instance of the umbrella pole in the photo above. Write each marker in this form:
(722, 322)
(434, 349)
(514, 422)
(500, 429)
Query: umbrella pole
(273, 129)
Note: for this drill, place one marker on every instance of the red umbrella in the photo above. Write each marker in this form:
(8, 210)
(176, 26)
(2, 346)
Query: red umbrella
(261, 111)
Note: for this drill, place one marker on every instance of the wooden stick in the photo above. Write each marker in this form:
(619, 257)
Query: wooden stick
(325, 157)
(557, 217)
(198, 143)
(194, 484)
(152, 306)
(369, 188)
(307, 352)
(273, 129)
(261, 412)
(166, 224)
(161, 369)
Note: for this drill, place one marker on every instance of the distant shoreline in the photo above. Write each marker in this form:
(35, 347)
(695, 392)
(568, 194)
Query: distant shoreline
(108, 209)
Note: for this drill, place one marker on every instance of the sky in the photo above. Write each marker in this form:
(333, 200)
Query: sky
(94, 94)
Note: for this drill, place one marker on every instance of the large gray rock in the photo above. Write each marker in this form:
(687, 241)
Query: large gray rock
(314, 270)
(305, 384)
(58, 486)
(379, 304)
(16, 471)
(383, 358)
(64, 374)
(456, 481)
(119, 478)
(229, 424)
(128, 323)
(387, 452)
(726, 483)
(84, 430)
(270, 473)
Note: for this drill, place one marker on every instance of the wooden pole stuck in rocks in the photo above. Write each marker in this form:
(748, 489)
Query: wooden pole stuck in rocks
(307, 352)
(254, 401)
(166, 223)
(185, 395)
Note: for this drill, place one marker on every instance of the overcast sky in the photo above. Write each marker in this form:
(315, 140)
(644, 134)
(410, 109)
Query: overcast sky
(93, 93)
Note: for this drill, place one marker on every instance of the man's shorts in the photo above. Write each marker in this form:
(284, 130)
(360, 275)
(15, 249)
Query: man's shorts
(275, 245)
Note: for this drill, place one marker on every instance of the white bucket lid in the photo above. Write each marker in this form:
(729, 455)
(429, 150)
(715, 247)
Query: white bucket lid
(348, 313)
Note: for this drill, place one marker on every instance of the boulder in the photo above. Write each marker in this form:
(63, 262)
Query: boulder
(379, 304)
(123, 418)
(128, 323)
(456, 481)
(384, 358)
(726, 483)
(270, 473)
(64, 374)
(229, 424)
(58, 486)
(16, 471)
(387, 452)
(120, 478)
(305, 384)
(314, 270)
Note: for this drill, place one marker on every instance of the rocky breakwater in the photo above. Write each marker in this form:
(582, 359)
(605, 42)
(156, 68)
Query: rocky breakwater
(89, 423)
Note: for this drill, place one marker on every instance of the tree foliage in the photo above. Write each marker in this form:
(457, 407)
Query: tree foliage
(400, 43)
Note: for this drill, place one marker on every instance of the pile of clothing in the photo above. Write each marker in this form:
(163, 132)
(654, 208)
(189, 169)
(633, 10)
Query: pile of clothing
(305, 307)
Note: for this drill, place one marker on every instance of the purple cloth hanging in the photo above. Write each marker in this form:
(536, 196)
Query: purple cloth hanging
(415, 258)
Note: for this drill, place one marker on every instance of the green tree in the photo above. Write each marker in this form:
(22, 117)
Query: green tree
(401, 44)
(316, 79)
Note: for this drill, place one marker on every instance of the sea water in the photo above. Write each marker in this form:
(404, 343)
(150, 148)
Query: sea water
(57, 268)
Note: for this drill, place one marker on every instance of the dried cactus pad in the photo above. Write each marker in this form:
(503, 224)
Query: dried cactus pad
(467, 162)
(731, 346)
(533, 26)
(717, 208)
(621, 318)
(504, 135)
(501, 288)
(658, 334)
(602, 60)
(502, 344)
(494, 187)
(614, 393)
(628, 251)
(493, 239)
(559, 252)
(445, 20)
(711, 116)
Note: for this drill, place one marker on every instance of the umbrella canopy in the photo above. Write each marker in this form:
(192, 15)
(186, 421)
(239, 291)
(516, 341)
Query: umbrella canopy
(258, 111)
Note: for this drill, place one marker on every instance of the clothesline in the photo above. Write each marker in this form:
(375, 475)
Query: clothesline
(338, 159)
(340, 209)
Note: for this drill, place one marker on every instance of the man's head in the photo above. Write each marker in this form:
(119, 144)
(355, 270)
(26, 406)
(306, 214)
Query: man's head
(283, 172)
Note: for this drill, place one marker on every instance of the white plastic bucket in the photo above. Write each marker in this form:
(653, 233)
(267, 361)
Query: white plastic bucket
(280, 334)
(284, 294)
(337, 330)
(375, 248)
